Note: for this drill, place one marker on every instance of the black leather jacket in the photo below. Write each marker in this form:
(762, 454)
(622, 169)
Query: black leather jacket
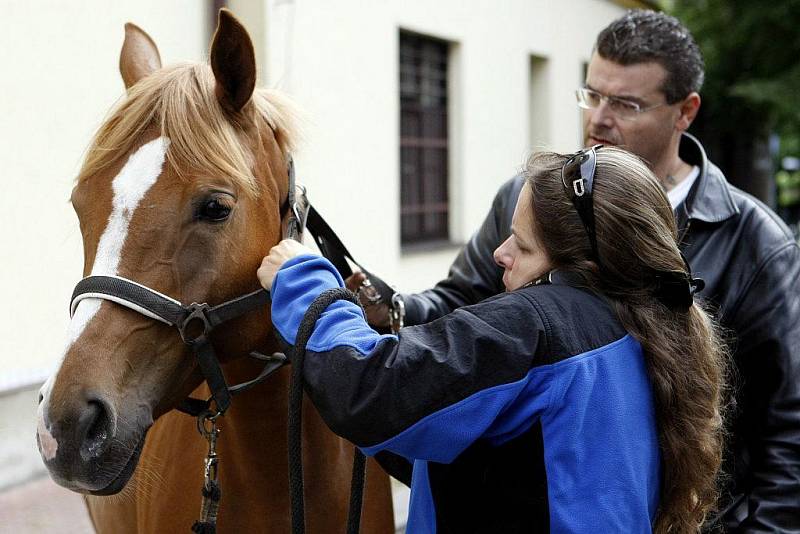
(751, 266)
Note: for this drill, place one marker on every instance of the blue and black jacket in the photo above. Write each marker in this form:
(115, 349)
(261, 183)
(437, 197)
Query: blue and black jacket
(529, 412)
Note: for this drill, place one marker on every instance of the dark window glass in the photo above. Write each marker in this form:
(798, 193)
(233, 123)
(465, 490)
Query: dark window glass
(423, 139)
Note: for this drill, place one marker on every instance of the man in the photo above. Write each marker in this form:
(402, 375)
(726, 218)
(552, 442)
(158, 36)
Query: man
(641, 93)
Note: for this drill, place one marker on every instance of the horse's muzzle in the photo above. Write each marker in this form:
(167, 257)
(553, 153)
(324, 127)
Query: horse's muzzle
(84, 449)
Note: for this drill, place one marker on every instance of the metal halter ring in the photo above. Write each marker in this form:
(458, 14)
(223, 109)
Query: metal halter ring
(196, 319)
(202, 423)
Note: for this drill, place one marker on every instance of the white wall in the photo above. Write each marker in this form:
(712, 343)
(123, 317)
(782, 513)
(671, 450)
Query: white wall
(59, 79)
(339, 60)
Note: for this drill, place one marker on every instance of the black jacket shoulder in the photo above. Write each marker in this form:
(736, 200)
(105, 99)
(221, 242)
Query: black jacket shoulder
(575, 320)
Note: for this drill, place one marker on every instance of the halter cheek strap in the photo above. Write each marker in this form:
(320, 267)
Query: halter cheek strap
(297, 207)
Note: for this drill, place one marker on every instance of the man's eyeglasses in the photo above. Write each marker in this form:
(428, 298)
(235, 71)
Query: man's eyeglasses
(577, 176)
(622, 108)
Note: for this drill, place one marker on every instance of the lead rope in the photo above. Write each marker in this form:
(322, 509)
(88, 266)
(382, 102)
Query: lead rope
(209, 507)
(304, 332)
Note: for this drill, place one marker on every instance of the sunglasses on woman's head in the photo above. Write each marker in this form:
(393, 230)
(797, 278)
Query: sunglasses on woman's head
(577, 176)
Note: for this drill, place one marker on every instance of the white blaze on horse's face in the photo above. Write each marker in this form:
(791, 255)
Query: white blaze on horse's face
(129, 186)
(137, 176)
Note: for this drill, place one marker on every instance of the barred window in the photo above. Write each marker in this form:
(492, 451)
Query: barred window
(423, 139)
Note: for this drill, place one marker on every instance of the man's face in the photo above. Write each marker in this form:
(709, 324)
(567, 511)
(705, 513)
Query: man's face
(650, 133)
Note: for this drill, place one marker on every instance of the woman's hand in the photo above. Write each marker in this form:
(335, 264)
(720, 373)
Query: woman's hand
(278, 255)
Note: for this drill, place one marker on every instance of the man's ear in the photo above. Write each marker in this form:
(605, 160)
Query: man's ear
(689, 108)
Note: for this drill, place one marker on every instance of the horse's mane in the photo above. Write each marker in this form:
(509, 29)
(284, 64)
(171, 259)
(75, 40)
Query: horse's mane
(180, 101)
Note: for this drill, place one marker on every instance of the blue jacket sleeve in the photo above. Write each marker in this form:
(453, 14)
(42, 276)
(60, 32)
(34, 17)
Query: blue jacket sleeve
(296, 285)
(429, 392)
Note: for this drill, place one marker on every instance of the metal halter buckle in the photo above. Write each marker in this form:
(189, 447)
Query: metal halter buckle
(397, 313)
(207, 426)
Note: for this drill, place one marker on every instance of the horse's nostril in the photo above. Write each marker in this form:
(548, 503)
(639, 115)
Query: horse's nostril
(41, 398)
(95, 425)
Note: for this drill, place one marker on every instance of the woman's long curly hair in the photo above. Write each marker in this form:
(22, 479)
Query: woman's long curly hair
(686, 359)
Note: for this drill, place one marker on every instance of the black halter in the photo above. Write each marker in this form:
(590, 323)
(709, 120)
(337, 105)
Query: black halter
(194, 323)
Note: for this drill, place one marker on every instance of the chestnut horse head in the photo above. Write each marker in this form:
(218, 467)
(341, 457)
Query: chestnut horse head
(181, 192)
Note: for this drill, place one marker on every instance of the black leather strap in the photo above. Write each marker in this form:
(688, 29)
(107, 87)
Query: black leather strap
(334, 250)
(222, 313)
(131, 295)
(298, 207)
(275, 362)
(194, 322)
(209, 366)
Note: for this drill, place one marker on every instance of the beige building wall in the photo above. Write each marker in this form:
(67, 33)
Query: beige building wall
(339, 60)
(59, 79)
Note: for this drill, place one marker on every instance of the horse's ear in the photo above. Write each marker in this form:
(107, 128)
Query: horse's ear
(139, 56)
(233, 61)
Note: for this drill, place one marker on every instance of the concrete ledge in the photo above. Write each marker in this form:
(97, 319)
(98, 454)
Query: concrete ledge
(19, 455)
(41, 507)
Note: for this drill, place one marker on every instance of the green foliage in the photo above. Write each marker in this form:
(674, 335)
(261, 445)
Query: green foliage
(790, 145)
(752, 54)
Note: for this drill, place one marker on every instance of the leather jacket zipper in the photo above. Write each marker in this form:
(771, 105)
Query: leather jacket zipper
(685, 231)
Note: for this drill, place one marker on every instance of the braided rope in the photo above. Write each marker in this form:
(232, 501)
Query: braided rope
(304, 332)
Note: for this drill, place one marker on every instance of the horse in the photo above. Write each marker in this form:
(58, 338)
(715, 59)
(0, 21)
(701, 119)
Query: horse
(181, 191)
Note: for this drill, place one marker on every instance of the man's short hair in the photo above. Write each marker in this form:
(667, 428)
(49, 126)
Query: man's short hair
(642, 36)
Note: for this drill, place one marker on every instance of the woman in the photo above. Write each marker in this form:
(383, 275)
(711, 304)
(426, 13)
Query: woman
(587, 398)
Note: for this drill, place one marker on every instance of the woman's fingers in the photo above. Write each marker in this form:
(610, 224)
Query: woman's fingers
(278, 255)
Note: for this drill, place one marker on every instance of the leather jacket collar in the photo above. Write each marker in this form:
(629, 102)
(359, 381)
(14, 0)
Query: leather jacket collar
(710, 199)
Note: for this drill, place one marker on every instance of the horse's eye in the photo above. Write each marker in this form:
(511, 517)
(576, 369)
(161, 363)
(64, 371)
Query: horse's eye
(213, 210)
